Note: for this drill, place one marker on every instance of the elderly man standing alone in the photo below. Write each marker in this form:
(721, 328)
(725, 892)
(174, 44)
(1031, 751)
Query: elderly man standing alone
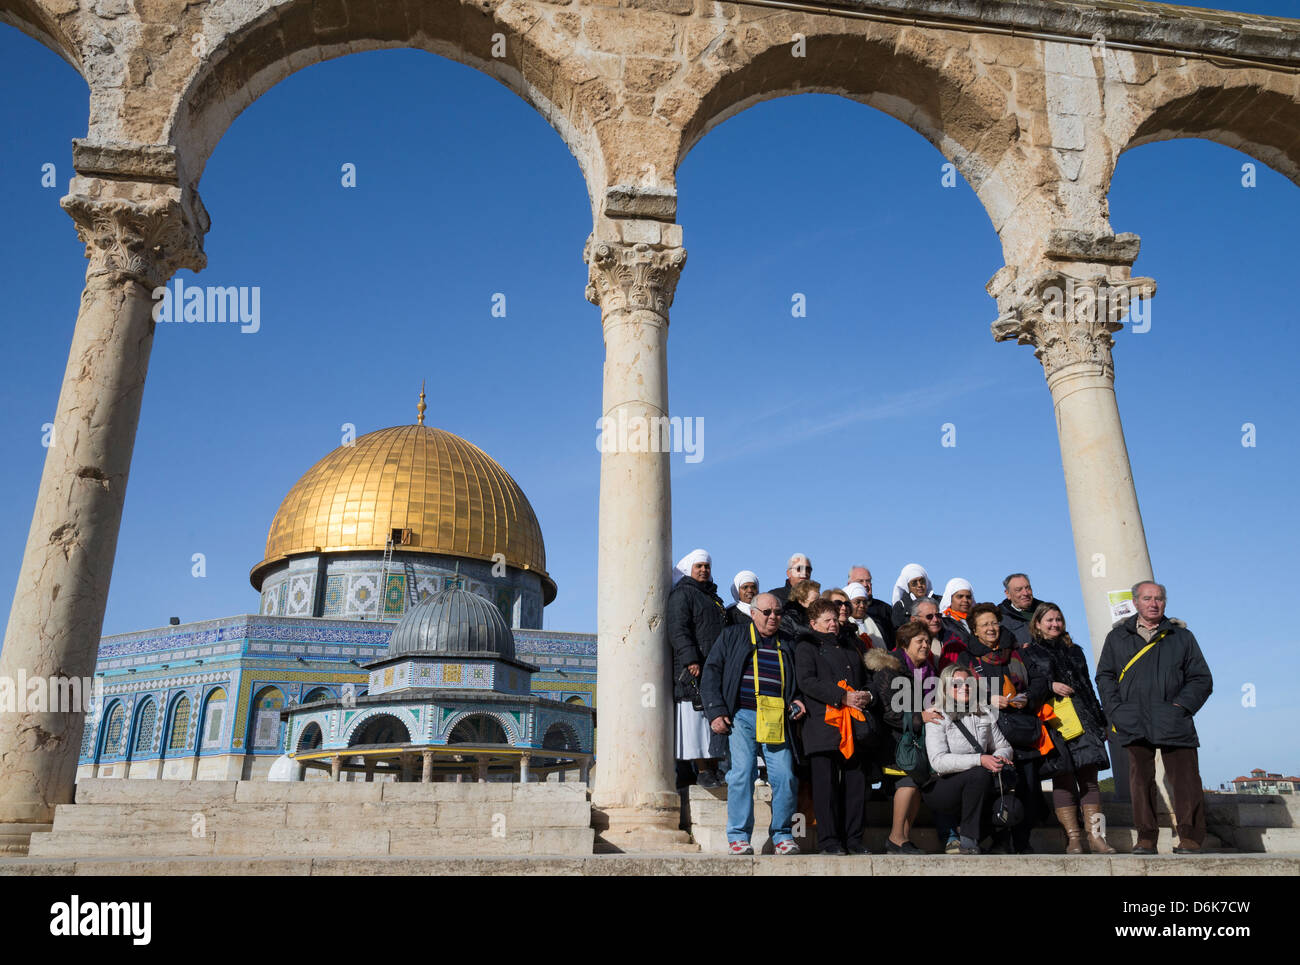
(749, 693)
(1151, 679)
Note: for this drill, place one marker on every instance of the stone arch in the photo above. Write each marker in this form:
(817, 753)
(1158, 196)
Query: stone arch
(926, 79)
(357, 723)
(1256, 112)
(461, 728)
(317, 693)
(33, 18)
(245, 60)
(381, 728)
(312, 737)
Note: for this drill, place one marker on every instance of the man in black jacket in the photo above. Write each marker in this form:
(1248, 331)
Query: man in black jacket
(731, 692)
(1018, 607)
(797, 569)
(1151, 679)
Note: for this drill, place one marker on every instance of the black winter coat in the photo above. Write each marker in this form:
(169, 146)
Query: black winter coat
(1160, 692)
(1017, 621)
(695, 618)
(958, 630)
(782, 592)
(733, 652)
(900, 613)
(794, 619)
(890, 682)
(1070, 667)
(736, 617)
(821, 660)
(1038, 686)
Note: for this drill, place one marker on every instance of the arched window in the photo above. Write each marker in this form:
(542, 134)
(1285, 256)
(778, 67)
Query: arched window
(214, 713)
(146, 725)
(478, 729)
(266, 718)
(114, 735)
(320, 693)
(180, 725)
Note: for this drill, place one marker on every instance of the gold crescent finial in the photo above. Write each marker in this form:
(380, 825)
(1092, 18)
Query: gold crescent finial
(419, 419)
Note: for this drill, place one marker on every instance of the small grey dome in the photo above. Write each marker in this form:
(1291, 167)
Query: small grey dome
(452, 621)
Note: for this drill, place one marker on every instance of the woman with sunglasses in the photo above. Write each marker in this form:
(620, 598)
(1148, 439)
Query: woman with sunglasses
(967, 751)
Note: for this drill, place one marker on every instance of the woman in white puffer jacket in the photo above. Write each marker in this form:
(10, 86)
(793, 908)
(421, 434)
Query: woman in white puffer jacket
(966, 765)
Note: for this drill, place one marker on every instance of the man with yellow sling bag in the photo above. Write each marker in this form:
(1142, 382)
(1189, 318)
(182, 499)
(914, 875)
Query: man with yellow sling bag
(1151, 679)
(748, 688)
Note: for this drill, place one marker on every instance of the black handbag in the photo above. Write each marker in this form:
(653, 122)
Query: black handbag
(1020, 730)
(1007, 811)
(691, 684)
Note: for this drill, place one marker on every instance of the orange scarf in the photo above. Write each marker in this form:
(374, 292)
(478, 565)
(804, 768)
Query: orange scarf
(842, 718)
(1045, 714)
(950, 612)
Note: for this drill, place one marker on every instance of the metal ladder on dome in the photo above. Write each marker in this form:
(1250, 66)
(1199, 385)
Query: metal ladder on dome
(383, 578)
(412, 593)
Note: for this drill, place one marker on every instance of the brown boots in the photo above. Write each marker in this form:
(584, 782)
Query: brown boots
(1094, 820)
(1069, 818)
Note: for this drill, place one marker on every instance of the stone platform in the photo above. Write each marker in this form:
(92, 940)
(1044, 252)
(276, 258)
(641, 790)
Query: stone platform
(194, 819)
(1237, 822)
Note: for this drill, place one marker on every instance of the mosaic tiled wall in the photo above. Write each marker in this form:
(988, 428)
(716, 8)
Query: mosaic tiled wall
(353, 587)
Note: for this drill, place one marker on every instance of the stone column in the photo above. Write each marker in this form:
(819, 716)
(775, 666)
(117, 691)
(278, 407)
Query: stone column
(426, 772)
(336, 767)
(1070, 320)
(481, 770)
(635, 800)
(524, 761)
(133, 246)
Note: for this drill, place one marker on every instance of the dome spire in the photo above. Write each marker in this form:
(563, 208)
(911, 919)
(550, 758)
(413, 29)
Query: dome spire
(419, 418)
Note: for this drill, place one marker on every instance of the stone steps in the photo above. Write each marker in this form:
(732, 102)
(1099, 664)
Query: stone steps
(708, 816)
(14, 837)
(668, 865)
(198, 819)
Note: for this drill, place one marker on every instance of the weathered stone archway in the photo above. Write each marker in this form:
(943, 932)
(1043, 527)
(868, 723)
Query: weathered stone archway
(1033, 100)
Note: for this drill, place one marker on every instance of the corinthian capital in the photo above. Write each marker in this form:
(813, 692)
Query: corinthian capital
(147, 241)
(1069, 320)
(627, 277)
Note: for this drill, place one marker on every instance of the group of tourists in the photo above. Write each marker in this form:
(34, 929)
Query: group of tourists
(966, 707)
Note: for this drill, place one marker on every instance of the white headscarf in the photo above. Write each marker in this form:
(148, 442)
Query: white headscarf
(743, 577)
(910, 572)
(683, 567)
(955, 584)
(855, 591)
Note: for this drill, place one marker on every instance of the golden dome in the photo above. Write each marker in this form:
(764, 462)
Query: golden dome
(453, 497)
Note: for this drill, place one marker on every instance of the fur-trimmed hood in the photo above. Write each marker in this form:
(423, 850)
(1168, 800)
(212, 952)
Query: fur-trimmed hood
(877, 660)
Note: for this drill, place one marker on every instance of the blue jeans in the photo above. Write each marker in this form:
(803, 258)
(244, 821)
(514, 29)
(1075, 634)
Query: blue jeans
(740, 781)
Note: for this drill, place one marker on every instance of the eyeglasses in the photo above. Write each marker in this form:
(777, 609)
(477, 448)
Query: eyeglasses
(842, 603)
(768, 612)
(930, 616)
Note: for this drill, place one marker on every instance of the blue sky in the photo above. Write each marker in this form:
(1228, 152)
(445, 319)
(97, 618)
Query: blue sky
(822, 434)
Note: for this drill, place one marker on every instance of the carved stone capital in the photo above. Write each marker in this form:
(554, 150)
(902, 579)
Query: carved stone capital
(628, 277)
(147, 241)
(1068, 320)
